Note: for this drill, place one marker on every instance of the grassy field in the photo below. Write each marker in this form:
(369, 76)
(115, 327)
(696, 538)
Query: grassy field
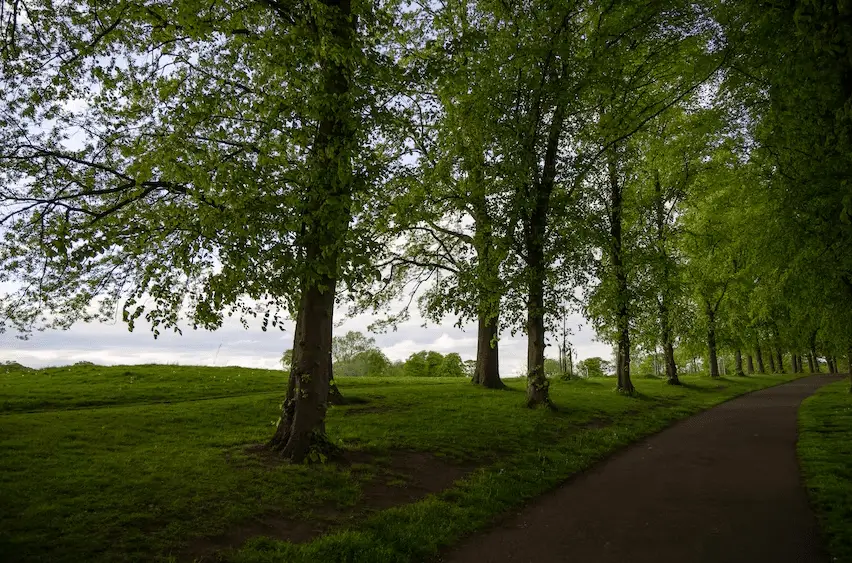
(825, 453)
(142, 463)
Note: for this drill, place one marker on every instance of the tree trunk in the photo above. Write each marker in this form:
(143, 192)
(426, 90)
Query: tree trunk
(740, 371)
(760, 367)
(771, 362)
(302, 423)
(750, 364)
(671, 365)
(665, 324)
(711, 341)
(814, 353)
(811, 368)
(487, 371)
(622, 367)
(780, 358)
(535, 232)
(830, 362)
(326, 216)
(335, 397)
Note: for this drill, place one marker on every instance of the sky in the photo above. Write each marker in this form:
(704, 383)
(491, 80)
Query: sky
(232, 345)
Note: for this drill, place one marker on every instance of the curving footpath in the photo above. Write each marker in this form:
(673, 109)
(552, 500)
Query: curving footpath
(721, 487)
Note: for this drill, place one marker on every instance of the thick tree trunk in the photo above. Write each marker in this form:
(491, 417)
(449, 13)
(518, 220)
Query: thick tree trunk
(535, 233)
(760, 367)
(780, 357)
(487, 372)
(811, 368)
(302, 424)
(750, 364)
(771, 362)
(671, 365)
(616, 203)
(830, 362)
(301, 428)
(740, 371)
(711, 341)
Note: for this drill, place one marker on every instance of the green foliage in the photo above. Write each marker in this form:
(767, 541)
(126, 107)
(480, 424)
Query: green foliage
(594, 367)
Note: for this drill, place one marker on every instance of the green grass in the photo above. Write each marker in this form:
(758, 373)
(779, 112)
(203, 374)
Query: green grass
(825, 453)
(131, 463)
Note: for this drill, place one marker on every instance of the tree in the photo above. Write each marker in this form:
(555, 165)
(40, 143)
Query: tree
(225, 152)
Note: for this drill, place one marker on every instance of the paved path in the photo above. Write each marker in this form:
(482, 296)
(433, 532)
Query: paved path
(720, 487)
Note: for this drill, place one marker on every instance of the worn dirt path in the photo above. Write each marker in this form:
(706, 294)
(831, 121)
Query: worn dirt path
(721, 487)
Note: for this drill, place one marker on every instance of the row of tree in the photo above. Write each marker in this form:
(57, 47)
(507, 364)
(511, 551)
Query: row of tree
(676, 169)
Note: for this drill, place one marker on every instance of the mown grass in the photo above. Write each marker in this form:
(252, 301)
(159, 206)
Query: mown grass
(97, 466)
(825, 454)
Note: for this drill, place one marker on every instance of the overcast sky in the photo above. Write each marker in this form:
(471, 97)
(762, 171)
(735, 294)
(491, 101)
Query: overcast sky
(233, 345)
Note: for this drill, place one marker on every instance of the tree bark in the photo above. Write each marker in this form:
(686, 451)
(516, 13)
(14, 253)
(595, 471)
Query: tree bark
(535, 232)
(740, 371)
(301, 428)
(771, 362)
(830, 362)
(487, 372)
(780, 357)
(616, 195)
(711, 340)
(811, 368)
(750, 364)
(760, 367)
(814, 353)
(335, 397)
(302, 423)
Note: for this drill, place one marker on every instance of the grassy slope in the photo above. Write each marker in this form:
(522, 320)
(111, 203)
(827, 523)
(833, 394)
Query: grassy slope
(105, 470)
(825, 453)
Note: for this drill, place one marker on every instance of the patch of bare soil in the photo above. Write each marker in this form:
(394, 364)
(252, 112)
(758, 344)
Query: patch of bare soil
(403, 477)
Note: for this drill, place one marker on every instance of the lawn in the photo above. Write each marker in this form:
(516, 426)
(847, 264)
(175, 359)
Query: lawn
(147, 463)
(825, 454)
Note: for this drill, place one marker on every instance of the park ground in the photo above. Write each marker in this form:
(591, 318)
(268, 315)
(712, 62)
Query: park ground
(142, 463)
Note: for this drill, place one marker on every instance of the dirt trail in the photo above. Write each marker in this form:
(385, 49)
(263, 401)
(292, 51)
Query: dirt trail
(720, 487)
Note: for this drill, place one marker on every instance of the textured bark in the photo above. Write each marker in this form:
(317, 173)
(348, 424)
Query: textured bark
(760, 367)
(302, 423)
(711, 341)
(671, 365)
(487, 371)
(535, 231)
(335, 397)
(780, 360)
(616, 203)
(301, 428)
(811, 368)
(750, 364)
(739, 367)
(830, 362)
(771, 362)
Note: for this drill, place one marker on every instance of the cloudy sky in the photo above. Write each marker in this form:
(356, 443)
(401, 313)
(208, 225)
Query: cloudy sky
(233, 345)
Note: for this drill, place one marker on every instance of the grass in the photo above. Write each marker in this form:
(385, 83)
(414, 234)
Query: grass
(132, 463)
(825, 454)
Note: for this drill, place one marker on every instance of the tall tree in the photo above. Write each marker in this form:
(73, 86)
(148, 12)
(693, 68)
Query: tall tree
(178, 159)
